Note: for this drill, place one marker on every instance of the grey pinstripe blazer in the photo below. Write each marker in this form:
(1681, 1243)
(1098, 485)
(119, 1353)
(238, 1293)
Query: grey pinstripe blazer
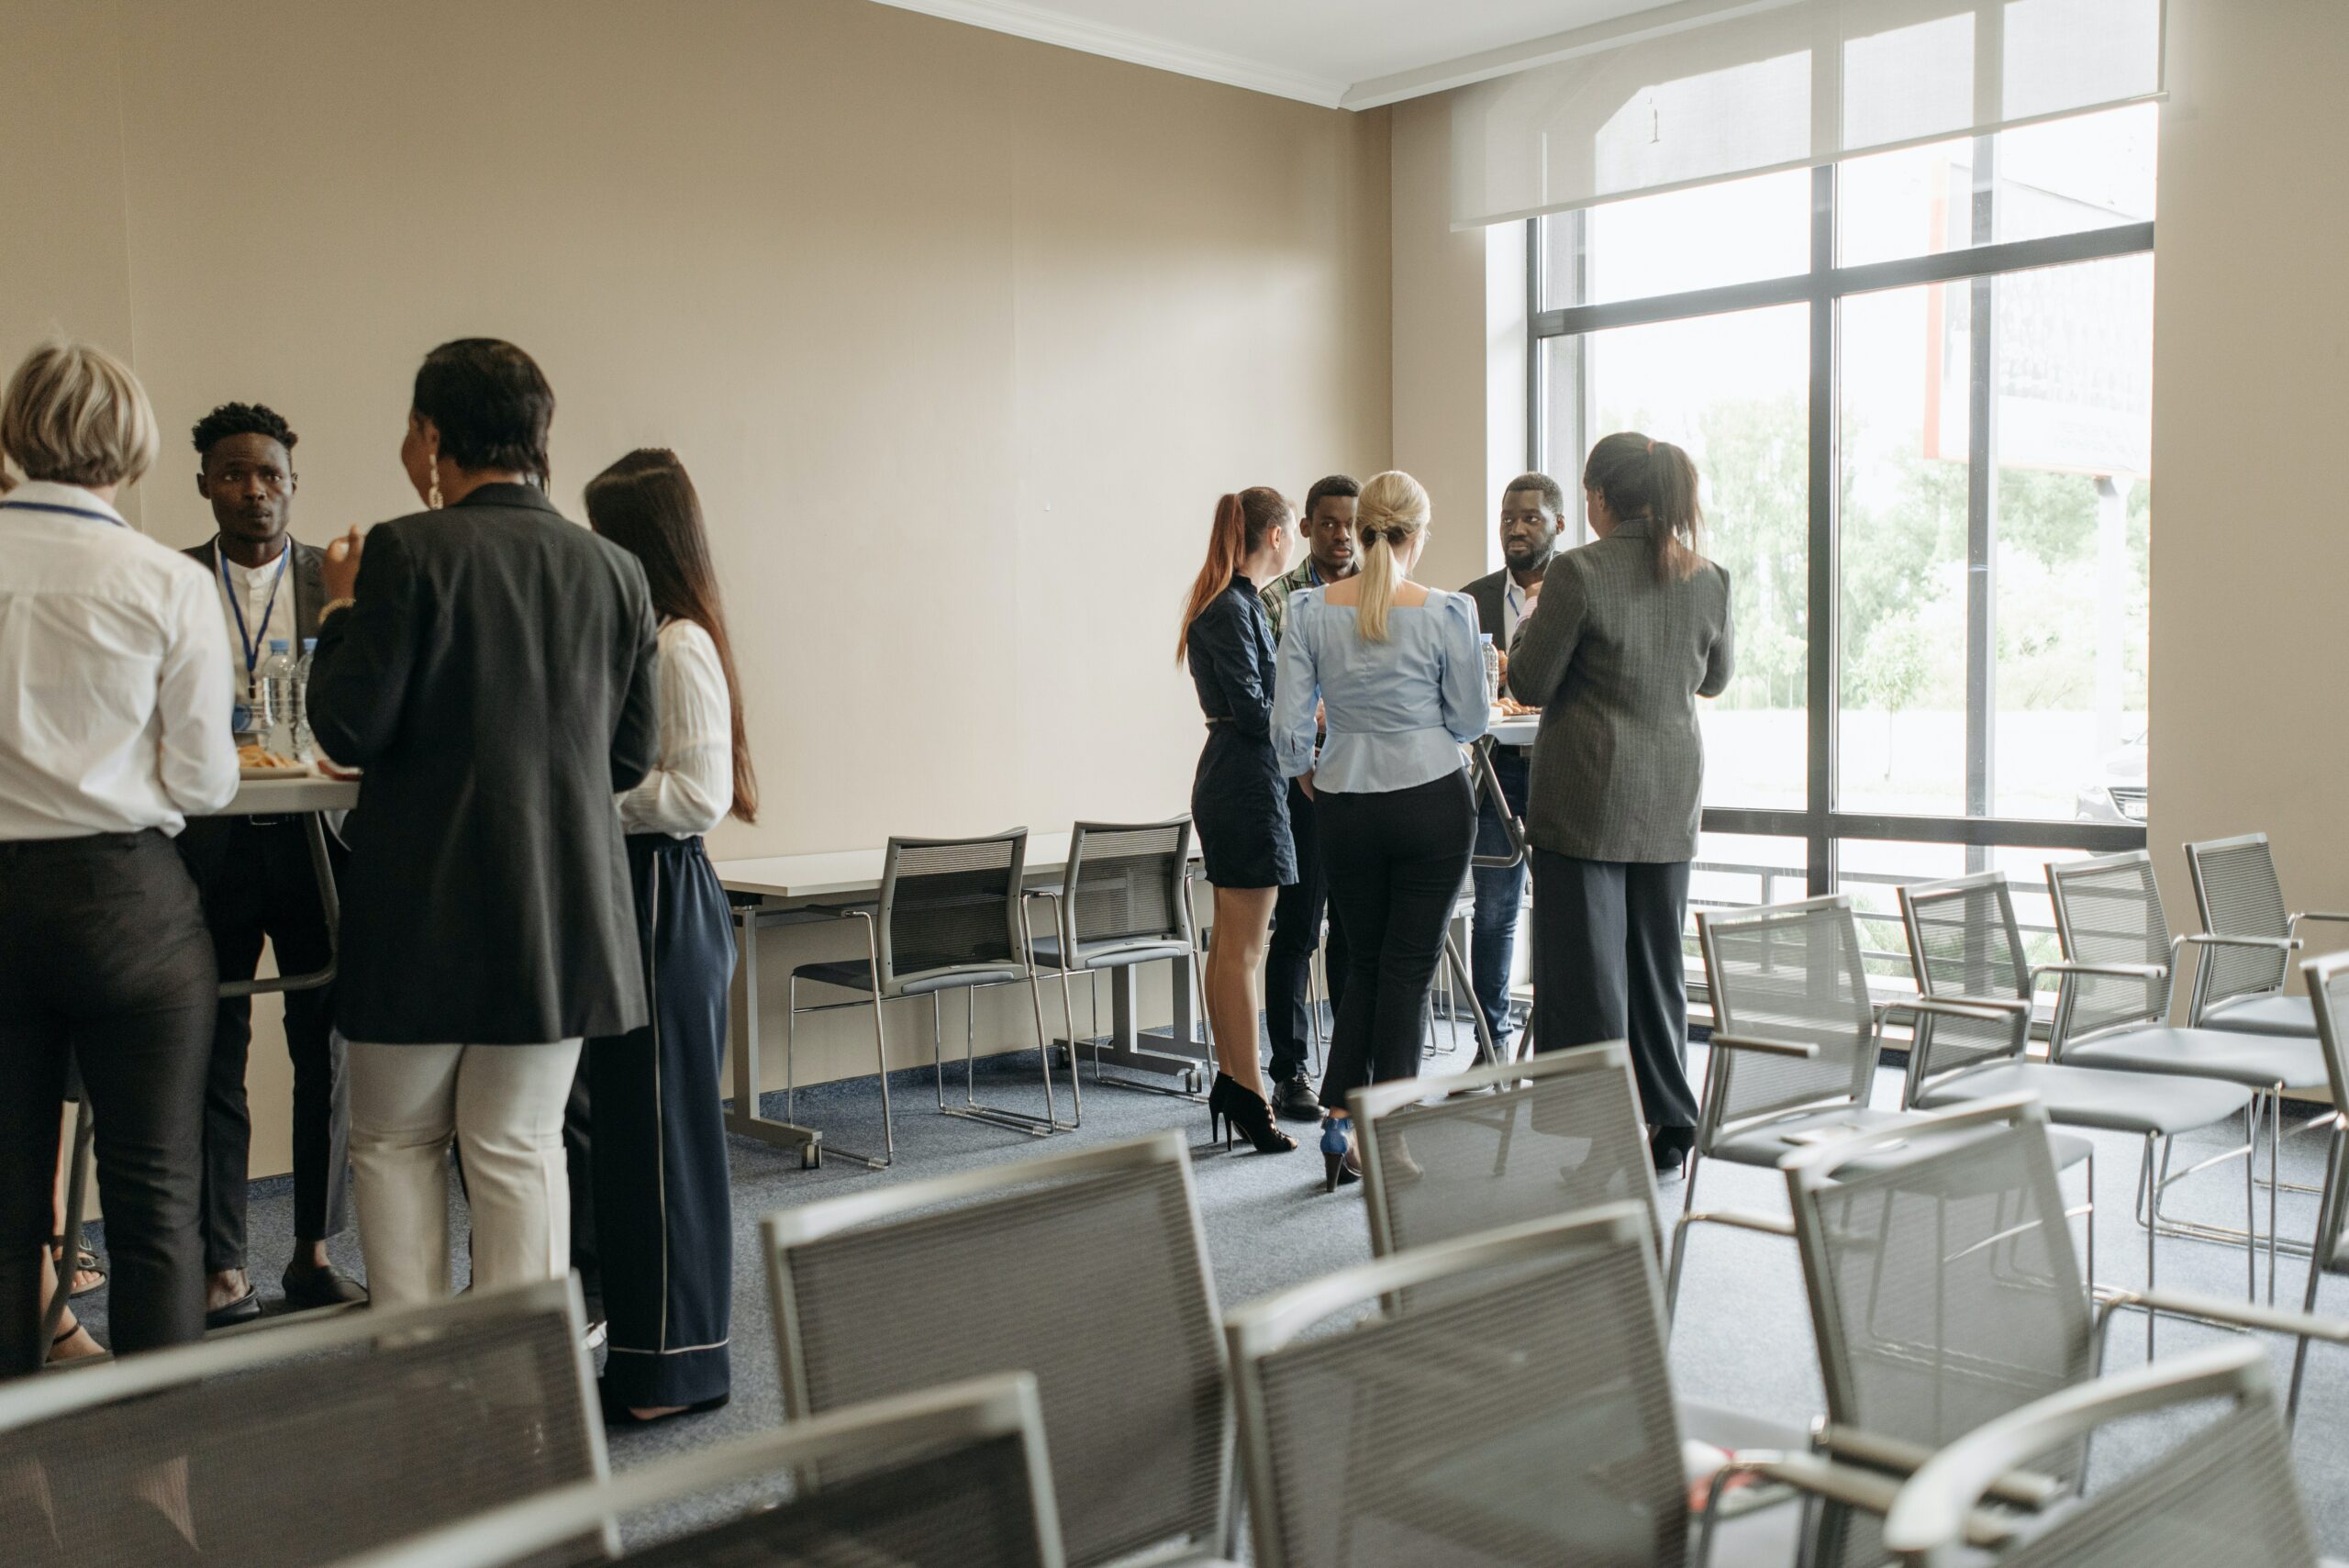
(1616, 661)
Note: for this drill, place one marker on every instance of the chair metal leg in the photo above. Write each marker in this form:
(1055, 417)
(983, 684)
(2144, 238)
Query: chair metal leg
(1680, 1237)
(2326, 1222)
(880, 1060)
(77, 1193)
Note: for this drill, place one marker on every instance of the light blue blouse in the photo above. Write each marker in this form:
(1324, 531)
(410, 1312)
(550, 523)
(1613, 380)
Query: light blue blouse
(1398, 711)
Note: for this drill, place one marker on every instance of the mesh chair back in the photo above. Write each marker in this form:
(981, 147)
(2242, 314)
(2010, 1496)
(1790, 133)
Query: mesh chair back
(1125, 886)
(1964, 941)
(1086, 1269)
(2327, 982)
(383, 1424)
(2236, 895)
(951, 1478)
(949, 904)
(1525, 1419)
(2209, 1479)
(1454, 1156)
(1791, 973)
(1943, 1287)
(2109, 911)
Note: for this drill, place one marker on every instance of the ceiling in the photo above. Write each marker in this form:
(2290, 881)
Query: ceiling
(1339, 54)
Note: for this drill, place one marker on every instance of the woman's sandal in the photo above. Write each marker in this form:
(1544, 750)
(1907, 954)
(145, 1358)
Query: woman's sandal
(64, 1336)
(85, 1266)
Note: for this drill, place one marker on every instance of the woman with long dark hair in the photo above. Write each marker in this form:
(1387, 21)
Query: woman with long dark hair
(1627, 632)
(1239, 800)
(664, 1213)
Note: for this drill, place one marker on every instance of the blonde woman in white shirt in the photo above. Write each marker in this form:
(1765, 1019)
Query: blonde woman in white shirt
(664, 1208)
(114, 733)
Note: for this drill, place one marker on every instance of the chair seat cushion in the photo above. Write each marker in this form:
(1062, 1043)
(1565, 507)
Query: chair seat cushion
(856, 975)
(2265, 1014)
(1108, 954)
(1768, 1144)
(2159, 1102)
(2255, 1061)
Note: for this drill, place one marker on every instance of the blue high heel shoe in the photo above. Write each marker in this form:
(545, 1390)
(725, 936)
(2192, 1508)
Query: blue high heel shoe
(1338, 1163)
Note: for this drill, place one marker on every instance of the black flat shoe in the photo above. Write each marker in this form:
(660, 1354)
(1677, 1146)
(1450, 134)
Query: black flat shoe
(329, 1286)
(244, 1309)
(618, 1413)
(1294, 1099)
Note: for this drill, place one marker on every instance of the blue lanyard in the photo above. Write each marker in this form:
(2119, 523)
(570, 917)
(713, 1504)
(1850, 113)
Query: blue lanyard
(251, 640)
(64, 511)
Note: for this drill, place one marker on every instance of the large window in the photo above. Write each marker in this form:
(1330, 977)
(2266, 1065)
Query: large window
(1919, 387)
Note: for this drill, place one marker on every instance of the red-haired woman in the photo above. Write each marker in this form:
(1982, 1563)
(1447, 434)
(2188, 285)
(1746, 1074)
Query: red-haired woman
(1239, 799)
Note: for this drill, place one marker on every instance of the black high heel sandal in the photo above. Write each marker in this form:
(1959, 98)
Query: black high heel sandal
(1232, 1108)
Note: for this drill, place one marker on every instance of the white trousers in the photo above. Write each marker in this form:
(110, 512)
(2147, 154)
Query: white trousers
(503, 1106)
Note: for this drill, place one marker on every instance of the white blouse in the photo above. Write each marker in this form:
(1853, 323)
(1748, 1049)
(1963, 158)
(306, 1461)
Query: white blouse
(691, 788)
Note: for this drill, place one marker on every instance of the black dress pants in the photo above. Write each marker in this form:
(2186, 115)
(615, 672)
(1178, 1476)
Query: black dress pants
(1607, 965)
(1396, 860)
(664, 1213)
(257, 881)
(104, 960)
(1296, 932)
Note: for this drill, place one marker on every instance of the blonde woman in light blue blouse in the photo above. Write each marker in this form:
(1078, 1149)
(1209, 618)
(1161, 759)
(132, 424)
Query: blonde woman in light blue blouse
(1395, 670)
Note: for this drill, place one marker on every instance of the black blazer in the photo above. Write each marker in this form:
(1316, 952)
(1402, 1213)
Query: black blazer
(309, 591)
(495, 681)
(1491, 594)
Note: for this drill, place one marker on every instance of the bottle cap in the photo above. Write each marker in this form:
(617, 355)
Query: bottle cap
(309, 644)
(1483, 636)
(278, 645)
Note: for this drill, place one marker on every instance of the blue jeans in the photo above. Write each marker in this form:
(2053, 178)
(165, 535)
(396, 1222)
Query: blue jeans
(1500, 896)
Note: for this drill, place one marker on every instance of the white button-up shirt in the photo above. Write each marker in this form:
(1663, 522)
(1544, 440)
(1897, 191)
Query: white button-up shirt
(691, 788)
(264, 618)
(114, 675)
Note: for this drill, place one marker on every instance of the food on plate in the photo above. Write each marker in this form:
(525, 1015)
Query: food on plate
(263, 757)
(1512, 709)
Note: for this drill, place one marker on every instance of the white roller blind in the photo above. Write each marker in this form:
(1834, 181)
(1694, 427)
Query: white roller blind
(1742, 88)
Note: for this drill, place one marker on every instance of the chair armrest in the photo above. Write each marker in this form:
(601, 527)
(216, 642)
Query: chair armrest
(1765, 1046)
(2332, 914)
(1981, 1009)
(1898, 1456)
(2221, 1311)
(2108, 970)
(1868, 1490)
(2213, 939)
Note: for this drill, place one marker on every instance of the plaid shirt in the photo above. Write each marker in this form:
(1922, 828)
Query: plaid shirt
(1275, 594)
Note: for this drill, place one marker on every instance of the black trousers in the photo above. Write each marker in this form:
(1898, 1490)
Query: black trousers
(104, 960)
(1397, 861)
(257, 881)
(1607, 965)
(664, 1212)
(1296, 932)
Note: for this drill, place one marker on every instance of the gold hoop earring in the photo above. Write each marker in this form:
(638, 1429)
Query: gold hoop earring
(433, 496)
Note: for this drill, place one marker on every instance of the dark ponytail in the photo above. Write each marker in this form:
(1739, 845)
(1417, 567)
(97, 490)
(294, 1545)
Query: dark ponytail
(1639, 478)
(1241, 523)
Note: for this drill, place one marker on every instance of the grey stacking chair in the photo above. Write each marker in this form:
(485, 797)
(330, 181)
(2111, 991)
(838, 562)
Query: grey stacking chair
(1946, 1293)
(2328, 984)
(2237, 895)
(1524, 1419)
(1965, 945)
(1087, 1268)
(2114, 998)
(2224, 1491)
(953, 1477)
(1123, 899)
(951, 917)
(1448, 1157)
(1796, 1039)
(383, 1424)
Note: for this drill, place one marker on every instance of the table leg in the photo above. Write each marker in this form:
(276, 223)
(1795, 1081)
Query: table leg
(314, 828)
(742, 1116)
(1138, 1050)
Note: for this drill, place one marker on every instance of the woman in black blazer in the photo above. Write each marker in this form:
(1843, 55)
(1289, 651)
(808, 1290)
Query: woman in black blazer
(490, 666)
(1239, 799)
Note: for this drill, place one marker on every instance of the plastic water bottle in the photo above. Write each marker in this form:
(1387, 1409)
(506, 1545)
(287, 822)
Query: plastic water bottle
(1492, 669)
(305, 745)
(276, 719)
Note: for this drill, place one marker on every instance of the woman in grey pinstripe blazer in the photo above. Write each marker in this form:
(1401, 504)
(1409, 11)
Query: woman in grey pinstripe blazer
(1627, 633)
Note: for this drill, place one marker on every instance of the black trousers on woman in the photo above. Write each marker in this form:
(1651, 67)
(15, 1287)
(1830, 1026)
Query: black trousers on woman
(1397, 862)
(1607, 965)
(105, 962)
(664, 1211)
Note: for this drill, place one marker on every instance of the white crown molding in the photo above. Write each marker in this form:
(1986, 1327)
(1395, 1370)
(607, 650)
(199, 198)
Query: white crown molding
(1634, 26)
(1136, 48)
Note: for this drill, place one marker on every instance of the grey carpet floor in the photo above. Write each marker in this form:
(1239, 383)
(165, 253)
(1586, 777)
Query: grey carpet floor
(1742, 1339)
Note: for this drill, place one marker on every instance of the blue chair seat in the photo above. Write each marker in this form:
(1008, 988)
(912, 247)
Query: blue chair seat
(2290, 1016)
(2255, 1061)
(2092, 1097)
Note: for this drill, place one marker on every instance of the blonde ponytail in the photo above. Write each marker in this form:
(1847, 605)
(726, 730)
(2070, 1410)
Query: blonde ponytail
(1391, 513)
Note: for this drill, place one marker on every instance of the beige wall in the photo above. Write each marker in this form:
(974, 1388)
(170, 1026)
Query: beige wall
(2251, 376)
(959, 335)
